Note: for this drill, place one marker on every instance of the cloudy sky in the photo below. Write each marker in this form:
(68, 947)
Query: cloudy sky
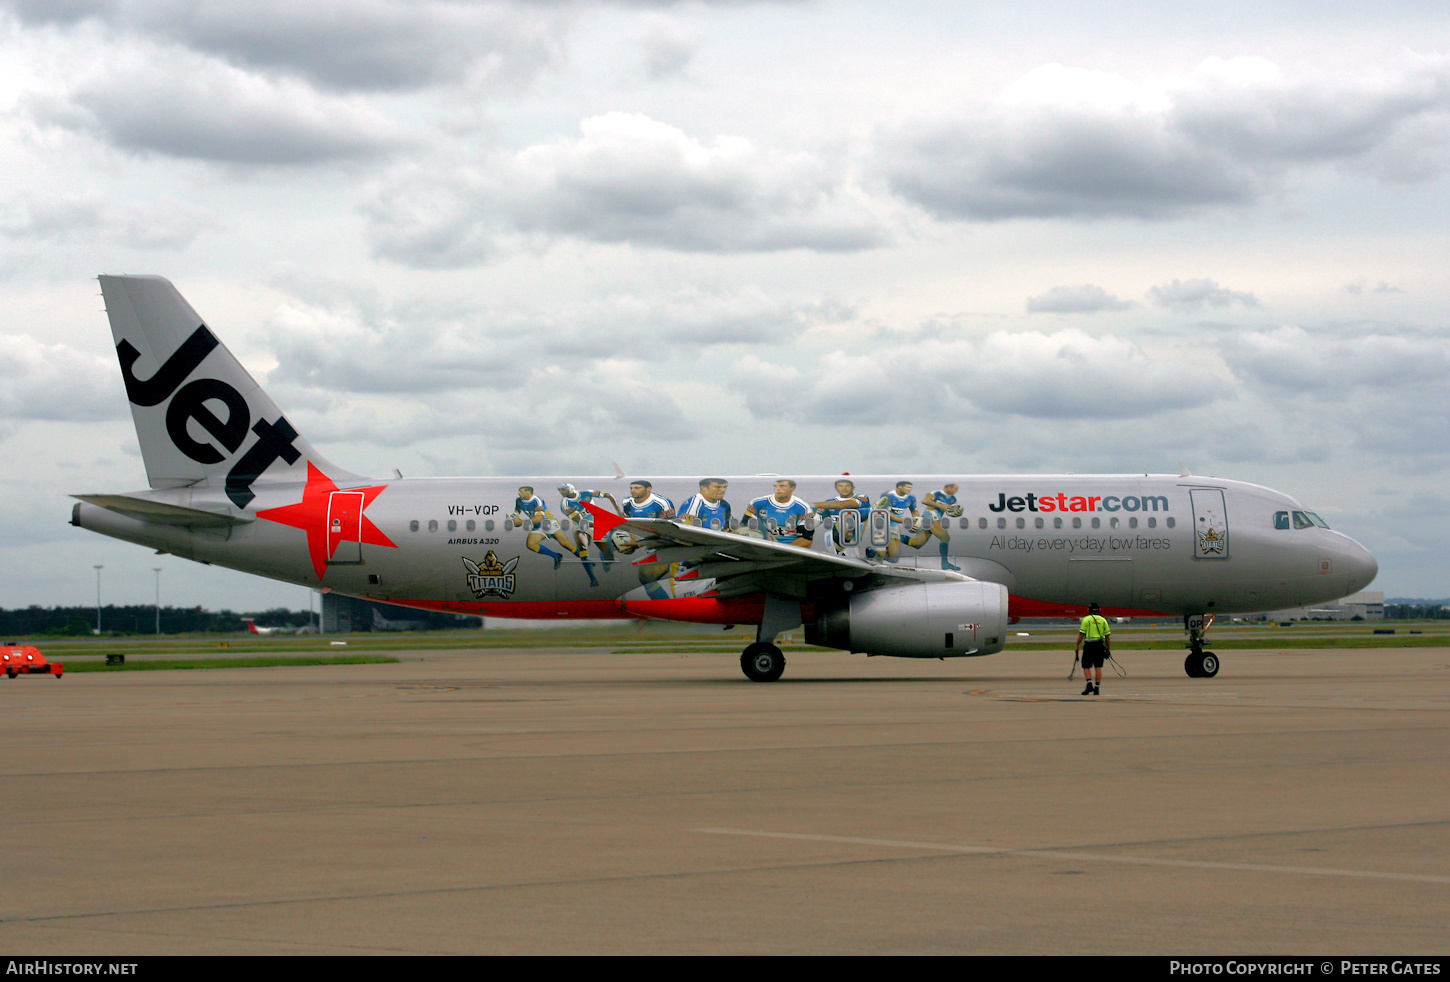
(505, 238)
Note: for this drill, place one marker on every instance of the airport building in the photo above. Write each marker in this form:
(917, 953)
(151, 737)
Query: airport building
(1368, 605)
(345, 615)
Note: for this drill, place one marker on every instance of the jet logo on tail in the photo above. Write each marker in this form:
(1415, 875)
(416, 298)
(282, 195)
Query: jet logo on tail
(274, 440)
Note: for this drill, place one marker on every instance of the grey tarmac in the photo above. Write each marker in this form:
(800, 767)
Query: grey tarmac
(563, 801)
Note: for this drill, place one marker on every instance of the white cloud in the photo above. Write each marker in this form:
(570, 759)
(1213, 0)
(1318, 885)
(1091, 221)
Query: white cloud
(1383, 393)
(340, 44)
(1063, 375)
(341, 349)
(538, 408)
(57, 382)
(1184, 295)
(179, 104)
(1084, 299)
(1070, 374)
(164, 224)
(666, 50)
(1076, 142)
(1360, 286)
(364, 344)
(626, 179)
(1293, 359)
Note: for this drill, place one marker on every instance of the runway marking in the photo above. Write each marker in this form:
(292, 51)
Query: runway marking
(1091, 857)
(1109, 697)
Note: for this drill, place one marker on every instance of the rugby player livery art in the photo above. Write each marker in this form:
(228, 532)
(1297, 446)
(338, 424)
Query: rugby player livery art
(912, 565)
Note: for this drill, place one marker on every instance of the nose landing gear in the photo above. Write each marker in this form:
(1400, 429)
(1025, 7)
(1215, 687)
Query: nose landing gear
(1199, 664)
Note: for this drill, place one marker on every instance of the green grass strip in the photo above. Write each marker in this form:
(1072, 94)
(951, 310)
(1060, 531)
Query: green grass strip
(1260, 644)
(162, 664)
(1225, 644)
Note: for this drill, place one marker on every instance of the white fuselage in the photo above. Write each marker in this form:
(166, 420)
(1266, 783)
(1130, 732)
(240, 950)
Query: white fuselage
(1058, 542)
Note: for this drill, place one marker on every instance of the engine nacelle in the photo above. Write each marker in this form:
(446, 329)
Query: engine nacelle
(919, 620)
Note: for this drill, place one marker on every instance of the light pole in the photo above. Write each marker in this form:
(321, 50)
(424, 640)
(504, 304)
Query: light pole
(157, 570)
(98, 598)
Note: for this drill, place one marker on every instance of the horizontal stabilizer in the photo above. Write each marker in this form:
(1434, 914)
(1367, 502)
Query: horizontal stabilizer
(161, 513)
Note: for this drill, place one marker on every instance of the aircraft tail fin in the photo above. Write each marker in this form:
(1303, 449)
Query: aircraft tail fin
(200, 416)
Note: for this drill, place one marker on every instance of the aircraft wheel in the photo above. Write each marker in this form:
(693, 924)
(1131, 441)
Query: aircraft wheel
(1201, 665)
(762, 662)
(10, 673)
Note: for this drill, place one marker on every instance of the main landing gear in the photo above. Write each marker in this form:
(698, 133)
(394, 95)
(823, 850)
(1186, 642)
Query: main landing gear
(1199, 664)
(763, 661)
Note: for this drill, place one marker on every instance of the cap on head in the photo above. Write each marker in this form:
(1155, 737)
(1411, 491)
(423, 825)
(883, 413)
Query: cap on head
(1093, 608)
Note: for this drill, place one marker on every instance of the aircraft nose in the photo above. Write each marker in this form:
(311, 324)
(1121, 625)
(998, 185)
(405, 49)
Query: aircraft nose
(1360, 565)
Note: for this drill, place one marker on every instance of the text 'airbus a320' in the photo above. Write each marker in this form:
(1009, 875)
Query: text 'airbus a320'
(912, 565)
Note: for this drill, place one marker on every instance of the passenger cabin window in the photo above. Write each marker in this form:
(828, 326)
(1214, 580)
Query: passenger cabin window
(981, 523)
(452, 525)
(433, 525)
(413, 525)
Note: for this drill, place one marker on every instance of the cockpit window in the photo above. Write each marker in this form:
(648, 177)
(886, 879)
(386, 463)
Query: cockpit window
(1301, 520)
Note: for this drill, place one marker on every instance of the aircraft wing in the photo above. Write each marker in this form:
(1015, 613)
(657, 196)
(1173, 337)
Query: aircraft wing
(742, 564)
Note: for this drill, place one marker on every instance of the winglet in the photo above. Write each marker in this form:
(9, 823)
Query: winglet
(604, 521)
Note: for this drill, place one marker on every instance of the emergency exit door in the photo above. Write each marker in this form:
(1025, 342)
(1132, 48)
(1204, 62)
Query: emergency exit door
(344, 528)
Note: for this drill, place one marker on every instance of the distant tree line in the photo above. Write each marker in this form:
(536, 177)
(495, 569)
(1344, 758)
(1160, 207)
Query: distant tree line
(36, 621)
(1416, 612)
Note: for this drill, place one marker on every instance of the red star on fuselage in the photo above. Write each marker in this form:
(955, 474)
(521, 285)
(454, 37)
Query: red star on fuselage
(311, 514)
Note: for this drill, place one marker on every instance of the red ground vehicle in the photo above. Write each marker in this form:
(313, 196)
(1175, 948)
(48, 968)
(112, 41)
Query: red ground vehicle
(26, 660)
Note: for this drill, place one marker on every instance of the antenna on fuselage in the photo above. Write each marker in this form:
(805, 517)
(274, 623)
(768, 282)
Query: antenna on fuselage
(1183, 470)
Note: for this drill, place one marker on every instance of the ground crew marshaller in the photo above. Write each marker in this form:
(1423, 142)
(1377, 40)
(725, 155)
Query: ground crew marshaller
(1093, 630)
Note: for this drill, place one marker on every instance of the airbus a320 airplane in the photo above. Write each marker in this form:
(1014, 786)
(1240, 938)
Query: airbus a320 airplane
(915, 566)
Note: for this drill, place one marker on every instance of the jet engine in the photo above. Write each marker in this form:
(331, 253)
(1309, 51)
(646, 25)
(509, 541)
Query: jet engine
(919, 620)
